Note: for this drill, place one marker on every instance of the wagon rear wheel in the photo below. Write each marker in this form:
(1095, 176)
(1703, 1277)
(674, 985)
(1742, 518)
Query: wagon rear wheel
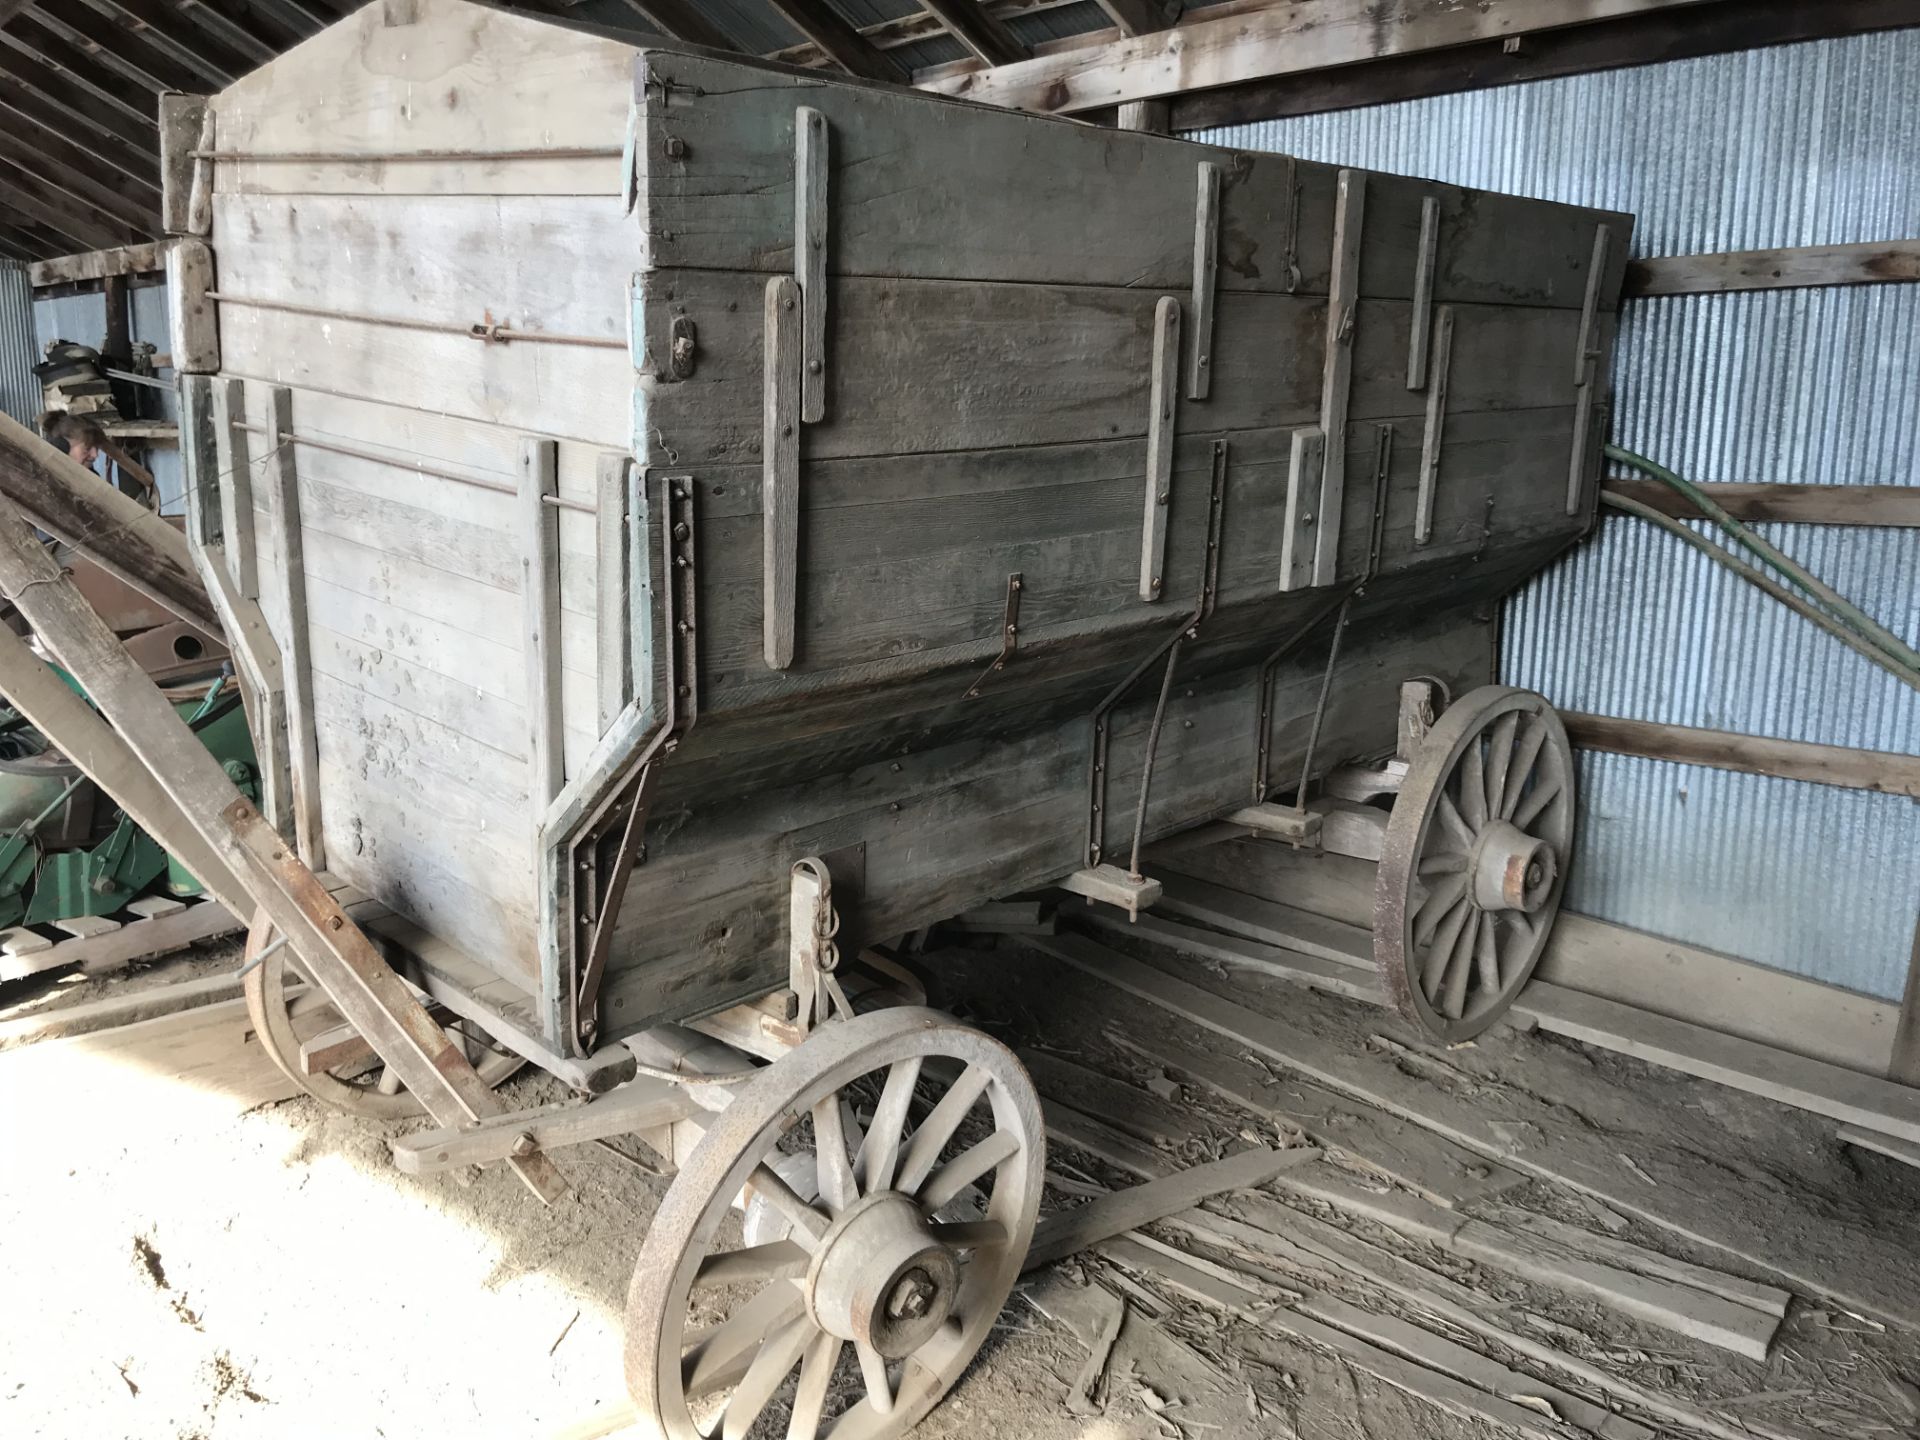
(287, 1019)
(880, 1290)
(1474, 861)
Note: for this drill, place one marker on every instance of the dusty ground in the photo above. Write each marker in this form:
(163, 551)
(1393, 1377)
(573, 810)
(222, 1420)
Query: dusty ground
(185, 1253)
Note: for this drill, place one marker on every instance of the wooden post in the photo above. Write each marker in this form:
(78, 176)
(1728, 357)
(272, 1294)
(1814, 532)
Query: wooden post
(332, 950)
(288, 552)
(117, 532)
(540, 599)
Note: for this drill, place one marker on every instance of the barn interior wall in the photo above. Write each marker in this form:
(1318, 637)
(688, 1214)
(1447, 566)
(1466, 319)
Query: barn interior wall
(1799, 145)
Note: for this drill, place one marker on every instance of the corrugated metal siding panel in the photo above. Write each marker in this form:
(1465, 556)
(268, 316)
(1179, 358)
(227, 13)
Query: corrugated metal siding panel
(1800, 145)
(19, 391)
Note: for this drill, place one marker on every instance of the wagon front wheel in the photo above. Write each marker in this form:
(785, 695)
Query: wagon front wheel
(295, 1024)
(928, 1156)
(1474, 861)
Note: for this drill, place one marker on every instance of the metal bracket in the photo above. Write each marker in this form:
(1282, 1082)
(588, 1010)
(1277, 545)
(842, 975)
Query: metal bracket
(611, 842)
(812, 954)
(1009, 636)
(683, 348)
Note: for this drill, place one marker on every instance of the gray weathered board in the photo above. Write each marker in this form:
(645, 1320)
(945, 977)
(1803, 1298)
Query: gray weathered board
(456, 236)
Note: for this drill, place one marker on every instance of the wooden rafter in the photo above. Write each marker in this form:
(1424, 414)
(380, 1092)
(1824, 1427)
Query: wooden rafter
(680, 20)
(241, 30)
(120, 49)
(23, 196)
(979, 29)
(1232, 44)
(1708, 29)
(38, 83)
(62, 168)
(837, 40)
(174, 34)
(80, 71)
(1139, 17)
(912, 28)
(33, 115)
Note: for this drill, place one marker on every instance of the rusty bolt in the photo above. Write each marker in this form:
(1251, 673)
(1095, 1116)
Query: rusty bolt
(524, 1145)
(912, 1297)
(680, 531)
(334, 922)
(676, 148)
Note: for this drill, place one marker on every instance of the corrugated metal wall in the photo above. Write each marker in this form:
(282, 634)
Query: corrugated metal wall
(1800, 145)
(19, 391)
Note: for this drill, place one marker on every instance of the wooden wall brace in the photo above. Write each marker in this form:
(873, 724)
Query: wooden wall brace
(193, 321)
(540, 616)
(1342, 301)
(1785, 501)
(1299, 534)
(1875, 262)
(810, 141)
(181, 120)
(1162, 392)
(613, 666)
(1206, 276)
(234, 482)
(782, 386)
(1421, 323)
(297, 666)
(1431, 442)
(199, 463)
(1586, 376)
(1882, 771)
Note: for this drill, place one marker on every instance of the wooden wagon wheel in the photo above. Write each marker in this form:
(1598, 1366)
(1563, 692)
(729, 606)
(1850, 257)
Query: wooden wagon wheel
(360, 1085)
(1474, 861)
(873, 1266)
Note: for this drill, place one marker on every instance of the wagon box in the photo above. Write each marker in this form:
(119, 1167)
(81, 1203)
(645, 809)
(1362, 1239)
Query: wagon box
(685, 521)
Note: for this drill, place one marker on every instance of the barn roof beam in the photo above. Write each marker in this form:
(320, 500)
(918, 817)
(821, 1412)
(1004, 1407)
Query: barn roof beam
(838, 40)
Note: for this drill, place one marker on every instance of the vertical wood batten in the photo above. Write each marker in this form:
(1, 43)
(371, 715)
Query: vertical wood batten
(234, 480)
(1337, 381)
(782, 408)
(613, 649)
(297, 670)
(540, 601)
(1163, 392)
(810, 170)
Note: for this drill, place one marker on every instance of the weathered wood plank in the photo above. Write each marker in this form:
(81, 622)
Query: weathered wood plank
(284, 544)
(1875, 262)
(1206, 278)
(782, 406)
(920, 190)
(146, 259)
(1162, 403)
(1794, 504)
(540, 619)
(1203, 53)
(613, 593)
(1854, 769)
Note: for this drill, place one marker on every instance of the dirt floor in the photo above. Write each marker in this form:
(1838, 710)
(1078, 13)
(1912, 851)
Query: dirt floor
(187, 1253)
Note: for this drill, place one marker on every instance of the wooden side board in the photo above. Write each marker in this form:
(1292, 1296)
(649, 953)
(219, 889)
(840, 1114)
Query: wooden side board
(921, 190)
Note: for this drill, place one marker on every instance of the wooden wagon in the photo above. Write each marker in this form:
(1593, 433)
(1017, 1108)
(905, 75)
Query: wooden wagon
(684, 524)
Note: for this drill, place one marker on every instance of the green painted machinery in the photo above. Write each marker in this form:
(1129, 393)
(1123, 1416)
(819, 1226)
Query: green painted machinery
(66, 850)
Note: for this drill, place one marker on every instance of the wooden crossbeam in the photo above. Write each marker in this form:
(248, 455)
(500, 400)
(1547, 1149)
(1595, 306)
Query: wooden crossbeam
(837, 40)
(1707, 29)
(147, 259)
(1841, 765)
(1875, 262)
(979, 29)
(680, 20)
(1231, 48)
(1791, 503)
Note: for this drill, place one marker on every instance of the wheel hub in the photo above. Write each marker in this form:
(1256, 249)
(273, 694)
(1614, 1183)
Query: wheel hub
(880, 1278)
(1511, 869)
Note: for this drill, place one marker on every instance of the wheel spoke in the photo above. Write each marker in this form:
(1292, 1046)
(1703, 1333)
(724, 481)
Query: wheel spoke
(1500, 760)
(1439, 904)
(1528, 753)
(1486, 953)
(776, 1359)
(934, 1133)
(1456, 827)
(1453, 994)
(961, 1171)
(873, 1369)
(720, 1356)
(389, 1081)
(1439, 961)
(1473, 785)
(816, 1375)
(755, 1265)
(808, 1223)
(1543, 795)
(837, 1187)
(881, 1148)
(1514, 955)
(1445, 862)
(970, 1234)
